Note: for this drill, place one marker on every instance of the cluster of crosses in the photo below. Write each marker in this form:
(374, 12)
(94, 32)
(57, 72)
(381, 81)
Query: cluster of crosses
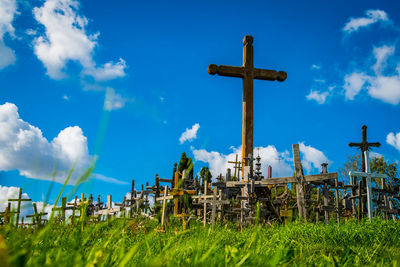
(249, 198)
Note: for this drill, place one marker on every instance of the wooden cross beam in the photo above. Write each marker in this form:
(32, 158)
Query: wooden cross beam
(164, 198)
(37, 216)
(214, 202)
(109, 210)
(19, 200)
(177, 192)
(368, 175)
(6, 214)
(236, 167)
(62, 209)
(248, 73)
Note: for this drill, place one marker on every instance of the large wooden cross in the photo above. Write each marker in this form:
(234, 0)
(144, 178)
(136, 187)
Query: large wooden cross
(248, 73)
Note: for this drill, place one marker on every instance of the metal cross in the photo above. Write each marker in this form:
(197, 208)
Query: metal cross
(368, 175)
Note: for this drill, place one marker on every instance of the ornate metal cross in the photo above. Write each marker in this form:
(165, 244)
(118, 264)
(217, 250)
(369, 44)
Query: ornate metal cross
(368, 176)
(364, 145)
(248, 73)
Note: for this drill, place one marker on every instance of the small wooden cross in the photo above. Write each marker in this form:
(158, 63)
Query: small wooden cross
(109, 210)
(177, 192)
(214, 202)
(248, 73)
(19, 200)
(368, 175)
(236, 167)
(37, 216)
(164, 198)
(62, 209)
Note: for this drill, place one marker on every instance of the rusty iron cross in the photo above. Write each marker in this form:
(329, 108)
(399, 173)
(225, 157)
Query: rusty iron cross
(248, 73)
(364, 145)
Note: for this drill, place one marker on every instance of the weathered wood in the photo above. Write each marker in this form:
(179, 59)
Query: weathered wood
(247, 72)
(300, 184)
(19, 200)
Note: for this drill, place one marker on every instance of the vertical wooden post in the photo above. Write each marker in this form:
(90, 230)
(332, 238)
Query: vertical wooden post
(247, 127)
(300, 185)
(205, 205)
(163, 207)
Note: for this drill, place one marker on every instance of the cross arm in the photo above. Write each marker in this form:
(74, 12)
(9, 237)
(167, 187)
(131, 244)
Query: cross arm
(223, 70)
(320, 177)
(355, 144)
(270, 75)
(22, 199)
(377, 144)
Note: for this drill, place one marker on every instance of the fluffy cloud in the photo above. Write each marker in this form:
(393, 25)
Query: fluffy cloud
(393, 140)
(114, 101)
(385, 87)
(312, 158)
(371, 17)
(189, 134)
(23, 147)
(281, 162)
(354, 82)
(65, 39)
(8, 9)
(319, 97)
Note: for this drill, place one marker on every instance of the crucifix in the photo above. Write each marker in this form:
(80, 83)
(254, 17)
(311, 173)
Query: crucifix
(109, 210)
(368, 176)
(248, 73)
(19, 200)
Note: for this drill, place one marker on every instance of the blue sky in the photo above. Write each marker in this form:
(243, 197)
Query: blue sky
(123, 80)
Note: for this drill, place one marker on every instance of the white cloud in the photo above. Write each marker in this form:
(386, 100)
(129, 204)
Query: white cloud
(189, 134)
(66, 98)
(23, 147)
(375, 155)
(394, 140)
(65, 39)
(385, 87)
(315, 66)
(281, 162)
(114, 101)
(354, 82)
(8, 10)
(108, 71)
(371, 17)
(318, 96)
(381, 55)
(104, 178)
(312, 158)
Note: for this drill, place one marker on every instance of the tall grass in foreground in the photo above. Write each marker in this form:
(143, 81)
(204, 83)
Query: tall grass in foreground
(136, 243)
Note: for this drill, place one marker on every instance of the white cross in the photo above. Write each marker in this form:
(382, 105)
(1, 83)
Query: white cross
(368, 175)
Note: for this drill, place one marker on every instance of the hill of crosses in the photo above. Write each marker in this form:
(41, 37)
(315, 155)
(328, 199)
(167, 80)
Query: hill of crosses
(243, 195)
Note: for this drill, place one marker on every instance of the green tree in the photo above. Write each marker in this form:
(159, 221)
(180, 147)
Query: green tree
(205, 175)
(379, 165)
(353, 163)
(185, 163)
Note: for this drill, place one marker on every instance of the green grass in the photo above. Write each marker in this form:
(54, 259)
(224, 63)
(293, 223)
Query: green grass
(136, 243)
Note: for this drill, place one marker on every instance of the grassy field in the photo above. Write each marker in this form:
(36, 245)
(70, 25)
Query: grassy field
(137, 243)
